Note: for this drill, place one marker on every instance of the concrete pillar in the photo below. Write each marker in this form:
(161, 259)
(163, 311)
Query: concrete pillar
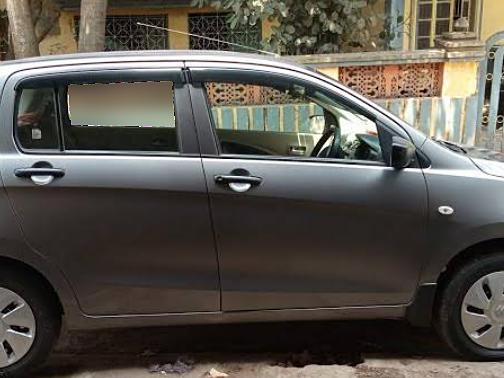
(178, 20)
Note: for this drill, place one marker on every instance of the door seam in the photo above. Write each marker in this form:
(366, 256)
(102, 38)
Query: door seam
(188, 82)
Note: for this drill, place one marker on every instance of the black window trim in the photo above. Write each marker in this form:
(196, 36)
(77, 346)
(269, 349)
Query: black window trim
(186, 135)
(201, 75)
(62, 120)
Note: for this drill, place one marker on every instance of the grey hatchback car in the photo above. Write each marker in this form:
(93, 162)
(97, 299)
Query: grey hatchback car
(180, 187)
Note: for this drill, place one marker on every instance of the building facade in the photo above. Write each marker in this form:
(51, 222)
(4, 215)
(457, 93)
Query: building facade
(416, 24)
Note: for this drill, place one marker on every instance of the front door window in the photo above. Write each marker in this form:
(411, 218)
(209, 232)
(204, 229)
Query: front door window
(288, 119)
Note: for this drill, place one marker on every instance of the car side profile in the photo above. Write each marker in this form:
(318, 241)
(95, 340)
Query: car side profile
(162, 188)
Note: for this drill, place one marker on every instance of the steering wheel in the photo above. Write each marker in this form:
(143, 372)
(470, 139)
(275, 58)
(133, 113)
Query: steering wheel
(331, 129)
(334, 150)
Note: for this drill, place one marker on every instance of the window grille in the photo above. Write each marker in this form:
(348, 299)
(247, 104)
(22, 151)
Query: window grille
(435, 17)
(215, 25)
(394, 81)
(122, 33)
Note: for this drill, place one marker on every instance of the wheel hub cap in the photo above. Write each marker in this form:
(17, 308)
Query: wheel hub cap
(498, 312)
(482, 311)
(17, 327)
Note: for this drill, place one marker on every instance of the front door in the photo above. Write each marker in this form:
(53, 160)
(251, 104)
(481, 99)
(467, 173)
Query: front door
(106, 180)
(306, 223)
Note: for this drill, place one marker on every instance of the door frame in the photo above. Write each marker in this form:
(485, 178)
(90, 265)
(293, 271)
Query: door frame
(209, 142)
(103, 72)
(203, 119)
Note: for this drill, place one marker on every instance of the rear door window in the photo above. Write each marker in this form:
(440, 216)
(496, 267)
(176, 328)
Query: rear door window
(125, 116)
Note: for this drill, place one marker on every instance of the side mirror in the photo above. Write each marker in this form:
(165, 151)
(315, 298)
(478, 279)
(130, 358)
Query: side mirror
(402, 153)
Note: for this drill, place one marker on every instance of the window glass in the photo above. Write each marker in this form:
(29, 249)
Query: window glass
(287, 119)
(121, 116)
(36, 122)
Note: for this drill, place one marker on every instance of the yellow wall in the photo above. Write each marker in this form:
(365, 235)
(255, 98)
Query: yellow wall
(332, 72)
(62, 42)
(409, 26)
(460, 79)
(492, 18)
(177, 20)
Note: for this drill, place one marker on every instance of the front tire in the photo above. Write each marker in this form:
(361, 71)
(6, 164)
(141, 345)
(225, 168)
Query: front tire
(470, 311)
(30, 323)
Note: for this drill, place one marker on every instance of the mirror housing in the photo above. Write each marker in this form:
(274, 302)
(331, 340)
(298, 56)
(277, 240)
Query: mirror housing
(402, 153)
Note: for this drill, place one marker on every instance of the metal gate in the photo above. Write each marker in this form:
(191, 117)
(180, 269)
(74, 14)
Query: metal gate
(490, 120)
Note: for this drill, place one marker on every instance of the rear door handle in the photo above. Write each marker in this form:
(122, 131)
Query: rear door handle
(40, 175)
(30, 172)
(239, 184)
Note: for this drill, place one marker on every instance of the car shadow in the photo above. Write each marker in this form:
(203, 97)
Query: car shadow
(285, 344)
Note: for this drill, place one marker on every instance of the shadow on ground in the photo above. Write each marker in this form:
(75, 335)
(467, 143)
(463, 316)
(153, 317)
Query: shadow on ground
(281, 344)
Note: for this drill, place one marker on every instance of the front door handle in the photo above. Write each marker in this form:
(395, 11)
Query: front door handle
(40, 176)
(239, 184)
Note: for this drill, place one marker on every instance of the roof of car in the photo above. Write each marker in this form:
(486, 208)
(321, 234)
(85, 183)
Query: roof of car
(9, 67)
(154, 55)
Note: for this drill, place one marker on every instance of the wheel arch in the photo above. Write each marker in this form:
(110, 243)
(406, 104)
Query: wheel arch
(478, 249)
(17, 255)
(26, 269)
(421, 310)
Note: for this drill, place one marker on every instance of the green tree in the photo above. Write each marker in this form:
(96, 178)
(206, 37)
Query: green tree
(312, 26)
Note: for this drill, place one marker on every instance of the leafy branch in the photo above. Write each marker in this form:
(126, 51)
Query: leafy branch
(312, 26)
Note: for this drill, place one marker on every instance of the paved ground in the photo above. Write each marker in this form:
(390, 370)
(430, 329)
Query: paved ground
(301, 350)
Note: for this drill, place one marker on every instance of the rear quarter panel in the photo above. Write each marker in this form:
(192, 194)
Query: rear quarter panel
(13, 244)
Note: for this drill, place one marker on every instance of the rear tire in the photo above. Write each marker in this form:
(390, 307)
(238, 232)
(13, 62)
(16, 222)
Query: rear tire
(470, 309)
(29, 294)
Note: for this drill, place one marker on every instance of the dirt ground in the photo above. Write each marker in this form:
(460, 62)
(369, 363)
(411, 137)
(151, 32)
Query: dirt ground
(382, 349)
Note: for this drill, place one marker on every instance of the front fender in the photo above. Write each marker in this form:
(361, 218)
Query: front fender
(458, 243)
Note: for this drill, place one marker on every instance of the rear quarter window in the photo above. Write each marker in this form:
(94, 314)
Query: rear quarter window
(36, 119)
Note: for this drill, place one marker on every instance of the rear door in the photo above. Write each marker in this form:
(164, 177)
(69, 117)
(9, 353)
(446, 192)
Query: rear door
(332, 226)
(105, 177)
